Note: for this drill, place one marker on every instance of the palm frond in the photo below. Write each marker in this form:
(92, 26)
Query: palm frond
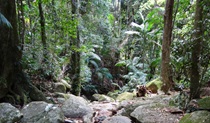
(3, 21)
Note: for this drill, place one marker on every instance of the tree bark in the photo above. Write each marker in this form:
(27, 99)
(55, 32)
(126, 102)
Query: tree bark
(8, 43)
(14, 85)
(43, 33)
(196, 51)
(75, 56)
(21, 22)
(165, 65)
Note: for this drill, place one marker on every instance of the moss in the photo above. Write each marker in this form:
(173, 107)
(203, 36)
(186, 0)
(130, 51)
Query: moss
(60, 87)
(101, 97)
(204, 103)
(196, 117)
(185, 119)
(113, 94)
(155, 83)
(125, 96)
(62, 95)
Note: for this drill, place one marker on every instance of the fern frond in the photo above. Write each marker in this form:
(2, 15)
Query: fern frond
(4, 21)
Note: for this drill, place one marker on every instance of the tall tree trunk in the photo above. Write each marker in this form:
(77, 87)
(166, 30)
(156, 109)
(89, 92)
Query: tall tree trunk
(13, 81)
(21, 22)
(43, 34)
(165, 65)
(75, 56)
(8, 42)
(196, 51)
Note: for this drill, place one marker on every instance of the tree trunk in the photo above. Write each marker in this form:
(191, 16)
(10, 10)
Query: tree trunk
(75, 56)
(14, 85)
(196, 51)
(43, 34)
(165, 65)
(21, 22)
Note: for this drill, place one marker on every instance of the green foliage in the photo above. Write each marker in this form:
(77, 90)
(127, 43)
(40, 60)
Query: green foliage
(136, 74)
(103, 73)
(111, 19)
(102, 31)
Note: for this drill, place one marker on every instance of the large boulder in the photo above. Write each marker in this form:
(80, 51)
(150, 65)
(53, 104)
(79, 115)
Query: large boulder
(9, 114)
(42, 112)
(77, 107)
(157, 111)
(117, 119)
(127, 107)
(102, 97)
(196, 117)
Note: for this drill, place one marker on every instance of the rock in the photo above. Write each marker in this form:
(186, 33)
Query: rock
(113, 94)
(42, 112)
(102, 97)
(205, 91)
(59, 87)
(154, 85)
(196, 117)
(127, 107)
(153, 113)
(9, 114)
(61, 95)
(61, 100)
(117, 119)
(204, 102)
(125, 96)
(77, 107)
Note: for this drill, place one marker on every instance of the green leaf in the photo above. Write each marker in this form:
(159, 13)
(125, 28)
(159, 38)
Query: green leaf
(120, 63)
(135, 60)
(100, 75)
(95, 56)
(93, 63)
(156, 62)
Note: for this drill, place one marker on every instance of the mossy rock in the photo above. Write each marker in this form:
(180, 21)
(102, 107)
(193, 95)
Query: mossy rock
(154, 85)
(113, 94)
(62, 95)
(60, 87)
(125, 96)
(102, 97)
(196, 117)
(204, 103)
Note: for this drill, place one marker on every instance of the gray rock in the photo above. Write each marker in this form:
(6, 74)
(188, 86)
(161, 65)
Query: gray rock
(117, 119)
(61, 100)
(152, 113)
(9, 114)
(42, 112)
(77, 107)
